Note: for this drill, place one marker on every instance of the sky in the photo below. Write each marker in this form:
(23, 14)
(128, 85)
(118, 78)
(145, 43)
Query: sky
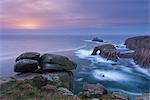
(126, 16)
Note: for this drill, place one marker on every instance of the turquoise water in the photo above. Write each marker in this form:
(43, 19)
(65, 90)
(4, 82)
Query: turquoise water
(123, 75)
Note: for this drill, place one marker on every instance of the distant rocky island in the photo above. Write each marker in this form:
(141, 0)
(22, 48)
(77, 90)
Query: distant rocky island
(97, 39)
(50, 76)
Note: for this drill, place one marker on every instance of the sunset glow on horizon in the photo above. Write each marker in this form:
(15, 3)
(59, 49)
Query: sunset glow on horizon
(77, 14)
(29, 25)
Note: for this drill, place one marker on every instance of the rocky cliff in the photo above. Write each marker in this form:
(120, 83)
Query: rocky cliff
(141, 47)
(138, 42)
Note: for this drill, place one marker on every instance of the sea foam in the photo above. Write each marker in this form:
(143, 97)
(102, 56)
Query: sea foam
(86, 54)
(109, 75)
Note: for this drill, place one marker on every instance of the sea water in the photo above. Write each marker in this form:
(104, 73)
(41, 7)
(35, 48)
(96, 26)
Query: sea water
(123, 75)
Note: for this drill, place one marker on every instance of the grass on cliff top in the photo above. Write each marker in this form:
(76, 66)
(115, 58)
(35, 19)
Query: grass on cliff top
(17, 90)
(12, 91)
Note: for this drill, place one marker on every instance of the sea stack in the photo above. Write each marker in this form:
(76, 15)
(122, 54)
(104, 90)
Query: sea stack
(107, 51)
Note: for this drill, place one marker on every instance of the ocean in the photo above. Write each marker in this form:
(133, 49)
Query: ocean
(123, 75)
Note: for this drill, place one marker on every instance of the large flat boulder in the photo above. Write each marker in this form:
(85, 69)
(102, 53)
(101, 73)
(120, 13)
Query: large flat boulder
(26, 65)
(107, 51)
(50, 62)
(31, 62)
(29, 55)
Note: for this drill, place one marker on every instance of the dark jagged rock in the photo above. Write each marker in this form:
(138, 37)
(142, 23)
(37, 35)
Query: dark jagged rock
(107, 51)
(138, 42)
(29, 55)
(56, 62)
(126, 55)
(26, 65)
(142, 57)
(94, 90)
(97, 39)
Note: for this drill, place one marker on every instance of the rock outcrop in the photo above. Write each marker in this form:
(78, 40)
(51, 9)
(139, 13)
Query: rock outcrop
(50, 62)
(56, 68)
(142, 57)
(141, 46)
(119, 96)
(59, 79)
(27, 62)
(31, 62)
(97, 39)
(29, 55)
(107, 51)
(126, 55)
(26, 65)
(36, 88)
(94, 90)
(144, 96)
(138, 42)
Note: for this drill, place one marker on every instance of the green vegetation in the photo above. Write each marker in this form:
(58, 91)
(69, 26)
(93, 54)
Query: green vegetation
(28, 90)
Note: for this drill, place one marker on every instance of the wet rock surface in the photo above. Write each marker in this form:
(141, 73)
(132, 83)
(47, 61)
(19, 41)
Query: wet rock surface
(107, 51)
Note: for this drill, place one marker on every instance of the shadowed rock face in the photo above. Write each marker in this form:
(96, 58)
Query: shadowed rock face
(126, 55)
(141, 45)
(142, 57)
(107, 51)
(56, 62)
(29, 55)
(138, 42)
(26, 65)
(27, 62)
